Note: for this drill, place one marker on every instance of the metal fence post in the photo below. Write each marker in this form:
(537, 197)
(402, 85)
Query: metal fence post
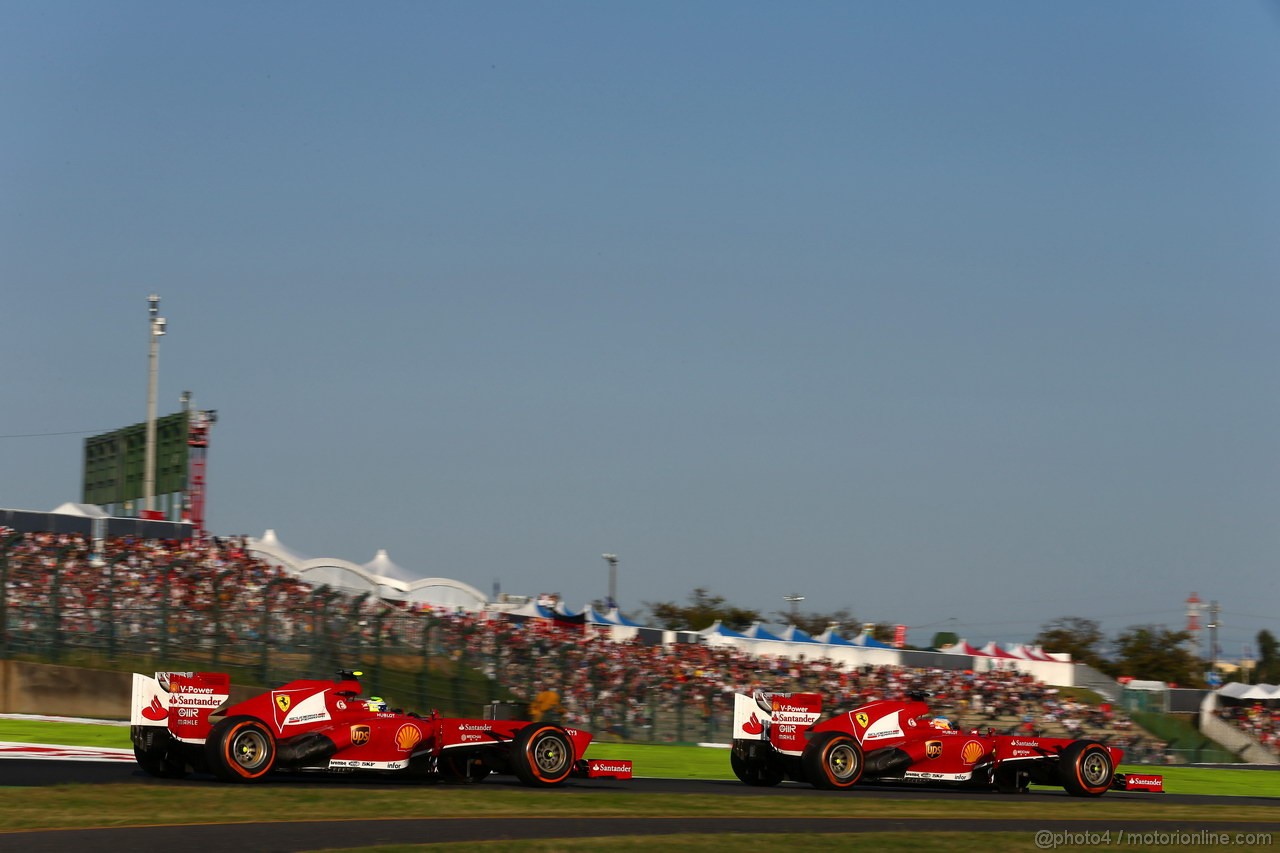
(5, 547)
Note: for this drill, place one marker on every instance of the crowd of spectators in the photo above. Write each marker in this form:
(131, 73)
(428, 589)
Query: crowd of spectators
(204, 592)
(1257, 720)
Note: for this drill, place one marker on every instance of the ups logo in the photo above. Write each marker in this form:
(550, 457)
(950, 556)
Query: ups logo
(862, 719)
(932, 748)
(359, 735)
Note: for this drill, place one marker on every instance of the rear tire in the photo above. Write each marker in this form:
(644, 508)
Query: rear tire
(542, 755)
(241, 749)
(1086, 769)
(755, 775)
(833, 761)
(157, 753)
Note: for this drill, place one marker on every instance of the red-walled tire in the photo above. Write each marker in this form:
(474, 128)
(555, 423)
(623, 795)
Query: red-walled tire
(1086, 769)
(542, 755)
(832, 760)
(241, 749)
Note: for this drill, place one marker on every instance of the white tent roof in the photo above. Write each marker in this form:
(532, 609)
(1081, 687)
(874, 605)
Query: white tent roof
(383, 566)
(271, 546)
(82, 510)
(1236, 690)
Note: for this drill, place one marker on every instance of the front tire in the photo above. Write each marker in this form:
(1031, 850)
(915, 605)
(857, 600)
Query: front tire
(241, 749)
(542, 755)
(1086, 769)
(833, 761)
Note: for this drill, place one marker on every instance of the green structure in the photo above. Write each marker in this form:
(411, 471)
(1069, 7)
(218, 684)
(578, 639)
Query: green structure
(114, 464)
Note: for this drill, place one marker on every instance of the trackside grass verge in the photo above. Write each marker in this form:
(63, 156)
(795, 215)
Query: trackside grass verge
(208, 802)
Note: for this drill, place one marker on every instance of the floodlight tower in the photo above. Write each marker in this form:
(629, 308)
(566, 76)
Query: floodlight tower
(612, 560)
(157, 325)
(794, 600)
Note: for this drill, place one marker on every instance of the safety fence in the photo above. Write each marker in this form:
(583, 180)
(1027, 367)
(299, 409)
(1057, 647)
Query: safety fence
(69, 605)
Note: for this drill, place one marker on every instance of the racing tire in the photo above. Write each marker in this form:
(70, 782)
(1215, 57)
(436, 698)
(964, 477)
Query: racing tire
(542, 755)
(832, 761)
(1086, 769)
(755, 775)
(241, 749)
(462, 767)
(156, 758)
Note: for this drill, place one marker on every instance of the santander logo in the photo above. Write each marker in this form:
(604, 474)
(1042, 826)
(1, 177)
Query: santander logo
(155, 711)
(753, 726)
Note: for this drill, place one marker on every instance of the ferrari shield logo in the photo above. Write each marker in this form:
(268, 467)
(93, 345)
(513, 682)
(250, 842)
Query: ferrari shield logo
(932, 748)
(283, 702)
(359, 735)
(862, 719)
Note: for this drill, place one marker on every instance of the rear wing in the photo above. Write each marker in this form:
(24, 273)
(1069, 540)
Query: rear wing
(179, 701)
(780, 718)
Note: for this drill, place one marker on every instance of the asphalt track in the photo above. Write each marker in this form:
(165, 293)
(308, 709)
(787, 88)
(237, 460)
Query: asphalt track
(295, 836)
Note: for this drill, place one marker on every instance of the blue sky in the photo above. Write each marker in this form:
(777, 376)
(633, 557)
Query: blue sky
(954, 315)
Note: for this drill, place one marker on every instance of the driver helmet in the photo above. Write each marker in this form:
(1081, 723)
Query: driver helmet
(940, 723)
(376, 703)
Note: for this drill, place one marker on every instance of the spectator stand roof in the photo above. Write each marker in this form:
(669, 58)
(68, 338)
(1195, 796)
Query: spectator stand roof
(383, 566)
(595, 617)
(380, 576)
(564, 614)
(757, 631)
(792, 634)
(1237, 690)
(962, 647)
(82, 510)
(993, 650)
(831, 638)
(1025, 652)
(615, 617)
(531, 610)
(717, 634)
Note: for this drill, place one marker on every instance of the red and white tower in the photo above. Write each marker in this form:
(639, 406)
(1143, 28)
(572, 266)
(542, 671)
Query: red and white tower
(198, 424)
(1193, 623)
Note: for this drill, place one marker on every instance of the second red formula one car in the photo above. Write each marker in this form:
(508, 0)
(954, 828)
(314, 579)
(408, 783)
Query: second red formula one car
(777, 736)
(180, 722)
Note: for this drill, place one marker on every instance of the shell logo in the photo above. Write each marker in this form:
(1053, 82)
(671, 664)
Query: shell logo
(971, 752)
(407, 737)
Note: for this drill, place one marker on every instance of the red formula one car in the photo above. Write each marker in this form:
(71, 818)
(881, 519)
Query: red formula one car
(777, 736)
(181, 722)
